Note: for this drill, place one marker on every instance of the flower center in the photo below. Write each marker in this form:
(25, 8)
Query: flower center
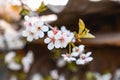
(76, 50)
(31, 33)
(83, 57)
(30, 24)
(39, 28)
(55, 30)
(52, 39)
(62, 39)
(68, 55)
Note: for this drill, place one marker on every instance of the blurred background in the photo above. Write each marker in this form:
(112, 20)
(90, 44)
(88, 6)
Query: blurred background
(102, 17)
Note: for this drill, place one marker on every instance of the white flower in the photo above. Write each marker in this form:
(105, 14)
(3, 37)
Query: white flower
(62, 40)
(14, 66)
(9, 57)
(13, 77)
(69, 33)
(117, 75)
(27, 61)
(50, 40)
(61, 77)
(40, 28)
(13, 41)
(54, 74)
(61, 62)
(37, 76)
(84, 58)
(67, 57)
(77, 50)
(106, 76)
(15, 2)
(30, 34)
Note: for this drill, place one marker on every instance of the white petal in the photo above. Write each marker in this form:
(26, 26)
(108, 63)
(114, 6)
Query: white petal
(44, 28)
(29, 38)
(72, 59)
(80, 62)
(57, 44)
(50, 34)
(88, 54)
(75, 54)
(81, 48)
(89, 59)
(33, 29)
(25, 33)
(14, 66)
(40, 23)
(36, 36)
(47, 40)
(41, 34)
(50, 46)
(27, 18)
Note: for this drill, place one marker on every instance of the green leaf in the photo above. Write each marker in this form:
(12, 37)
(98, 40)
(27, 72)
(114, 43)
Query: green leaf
(42, 8)
(24, 12)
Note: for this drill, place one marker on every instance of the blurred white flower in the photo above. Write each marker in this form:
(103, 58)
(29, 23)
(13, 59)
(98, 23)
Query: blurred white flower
(9, 57)
(13, 41)
(117, 75)
(27, 61)
(2, 44)
(15, 2)
(54, 74)
(67, 57)
(61, 77)
(107, 76)
(32, 4)
(14, 66)
(77, 50)
(13, 77)
(84, 58)
(37, 76)
(11, 64)
(61, 62)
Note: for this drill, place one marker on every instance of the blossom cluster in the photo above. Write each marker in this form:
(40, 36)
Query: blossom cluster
(78, 55)
(56, 38)
(12, 64)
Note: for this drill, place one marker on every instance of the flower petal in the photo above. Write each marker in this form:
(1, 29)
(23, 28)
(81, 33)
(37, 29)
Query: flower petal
(47, 40)
(88, 54)
(89, 59)
(57, 44)
(41, 34)
(50, 34)
(25, 33)
(29, 38)
(50, 46)
(44, 28)
(80, 62)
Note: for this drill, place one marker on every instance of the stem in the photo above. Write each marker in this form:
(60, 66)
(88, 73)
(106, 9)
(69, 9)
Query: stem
(48, 25)
(73, 45)
(69, 48)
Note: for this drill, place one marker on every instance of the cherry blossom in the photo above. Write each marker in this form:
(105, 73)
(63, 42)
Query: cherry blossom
(40, 29)
(67, 57)
(27, 61)
(77, 50)
(51, 40)
(84, 58)
(30, 34)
